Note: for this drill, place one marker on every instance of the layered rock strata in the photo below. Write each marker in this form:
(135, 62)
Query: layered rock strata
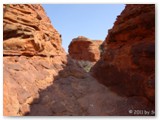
(32, 56)
(28, 31)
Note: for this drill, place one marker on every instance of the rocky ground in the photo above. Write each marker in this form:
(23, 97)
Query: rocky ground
(75, 92)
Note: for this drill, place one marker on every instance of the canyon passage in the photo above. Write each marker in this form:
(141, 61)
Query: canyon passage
(111, 77)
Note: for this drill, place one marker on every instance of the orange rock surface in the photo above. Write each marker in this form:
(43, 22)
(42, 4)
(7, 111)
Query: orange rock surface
(33, 55)
(27, 30)
(41, 80)
(127, 64)
(82, 48)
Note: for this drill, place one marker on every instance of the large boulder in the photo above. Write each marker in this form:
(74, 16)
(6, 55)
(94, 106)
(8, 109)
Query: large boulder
(82, 48)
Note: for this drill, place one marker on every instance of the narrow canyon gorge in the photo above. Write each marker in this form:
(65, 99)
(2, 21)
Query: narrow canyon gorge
(114, 77)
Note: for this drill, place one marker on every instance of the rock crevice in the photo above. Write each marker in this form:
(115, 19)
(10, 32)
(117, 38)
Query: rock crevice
(41, 80)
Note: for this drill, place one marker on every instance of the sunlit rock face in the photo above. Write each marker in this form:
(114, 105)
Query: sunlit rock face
(27, 30)
(82, 48)
(127, 64)
(32, 55)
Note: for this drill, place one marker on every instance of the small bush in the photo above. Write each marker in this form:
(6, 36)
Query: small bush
(86, 65)
(101, 48)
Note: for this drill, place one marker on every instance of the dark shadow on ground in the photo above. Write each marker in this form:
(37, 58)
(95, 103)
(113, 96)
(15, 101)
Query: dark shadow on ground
(60, 97)
(75, 93)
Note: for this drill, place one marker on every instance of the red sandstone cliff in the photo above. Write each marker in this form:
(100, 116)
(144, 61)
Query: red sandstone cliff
(82, 48)
(127, 65)
(32, 55)
(28, 31)
(39, 79)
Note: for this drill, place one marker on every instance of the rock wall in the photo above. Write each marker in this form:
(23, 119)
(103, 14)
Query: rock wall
(82, 48)
(127, 65)
(28, 31)
(40, 80)
(32, 56)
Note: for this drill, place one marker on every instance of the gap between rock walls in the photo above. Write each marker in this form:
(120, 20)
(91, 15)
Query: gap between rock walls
(114, 77)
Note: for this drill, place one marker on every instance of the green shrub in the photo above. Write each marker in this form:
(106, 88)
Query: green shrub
(86, 65)
(101, 48)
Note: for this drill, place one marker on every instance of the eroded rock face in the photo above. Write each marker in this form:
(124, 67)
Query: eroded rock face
(39, 84)
(28, 31)
(82, 48)
(33, 56)
(127, 65)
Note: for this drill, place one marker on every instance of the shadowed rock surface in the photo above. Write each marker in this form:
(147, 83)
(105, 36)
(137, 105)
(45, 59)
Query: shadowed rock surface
(82, 48)
(127, 65)
(74, 92)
